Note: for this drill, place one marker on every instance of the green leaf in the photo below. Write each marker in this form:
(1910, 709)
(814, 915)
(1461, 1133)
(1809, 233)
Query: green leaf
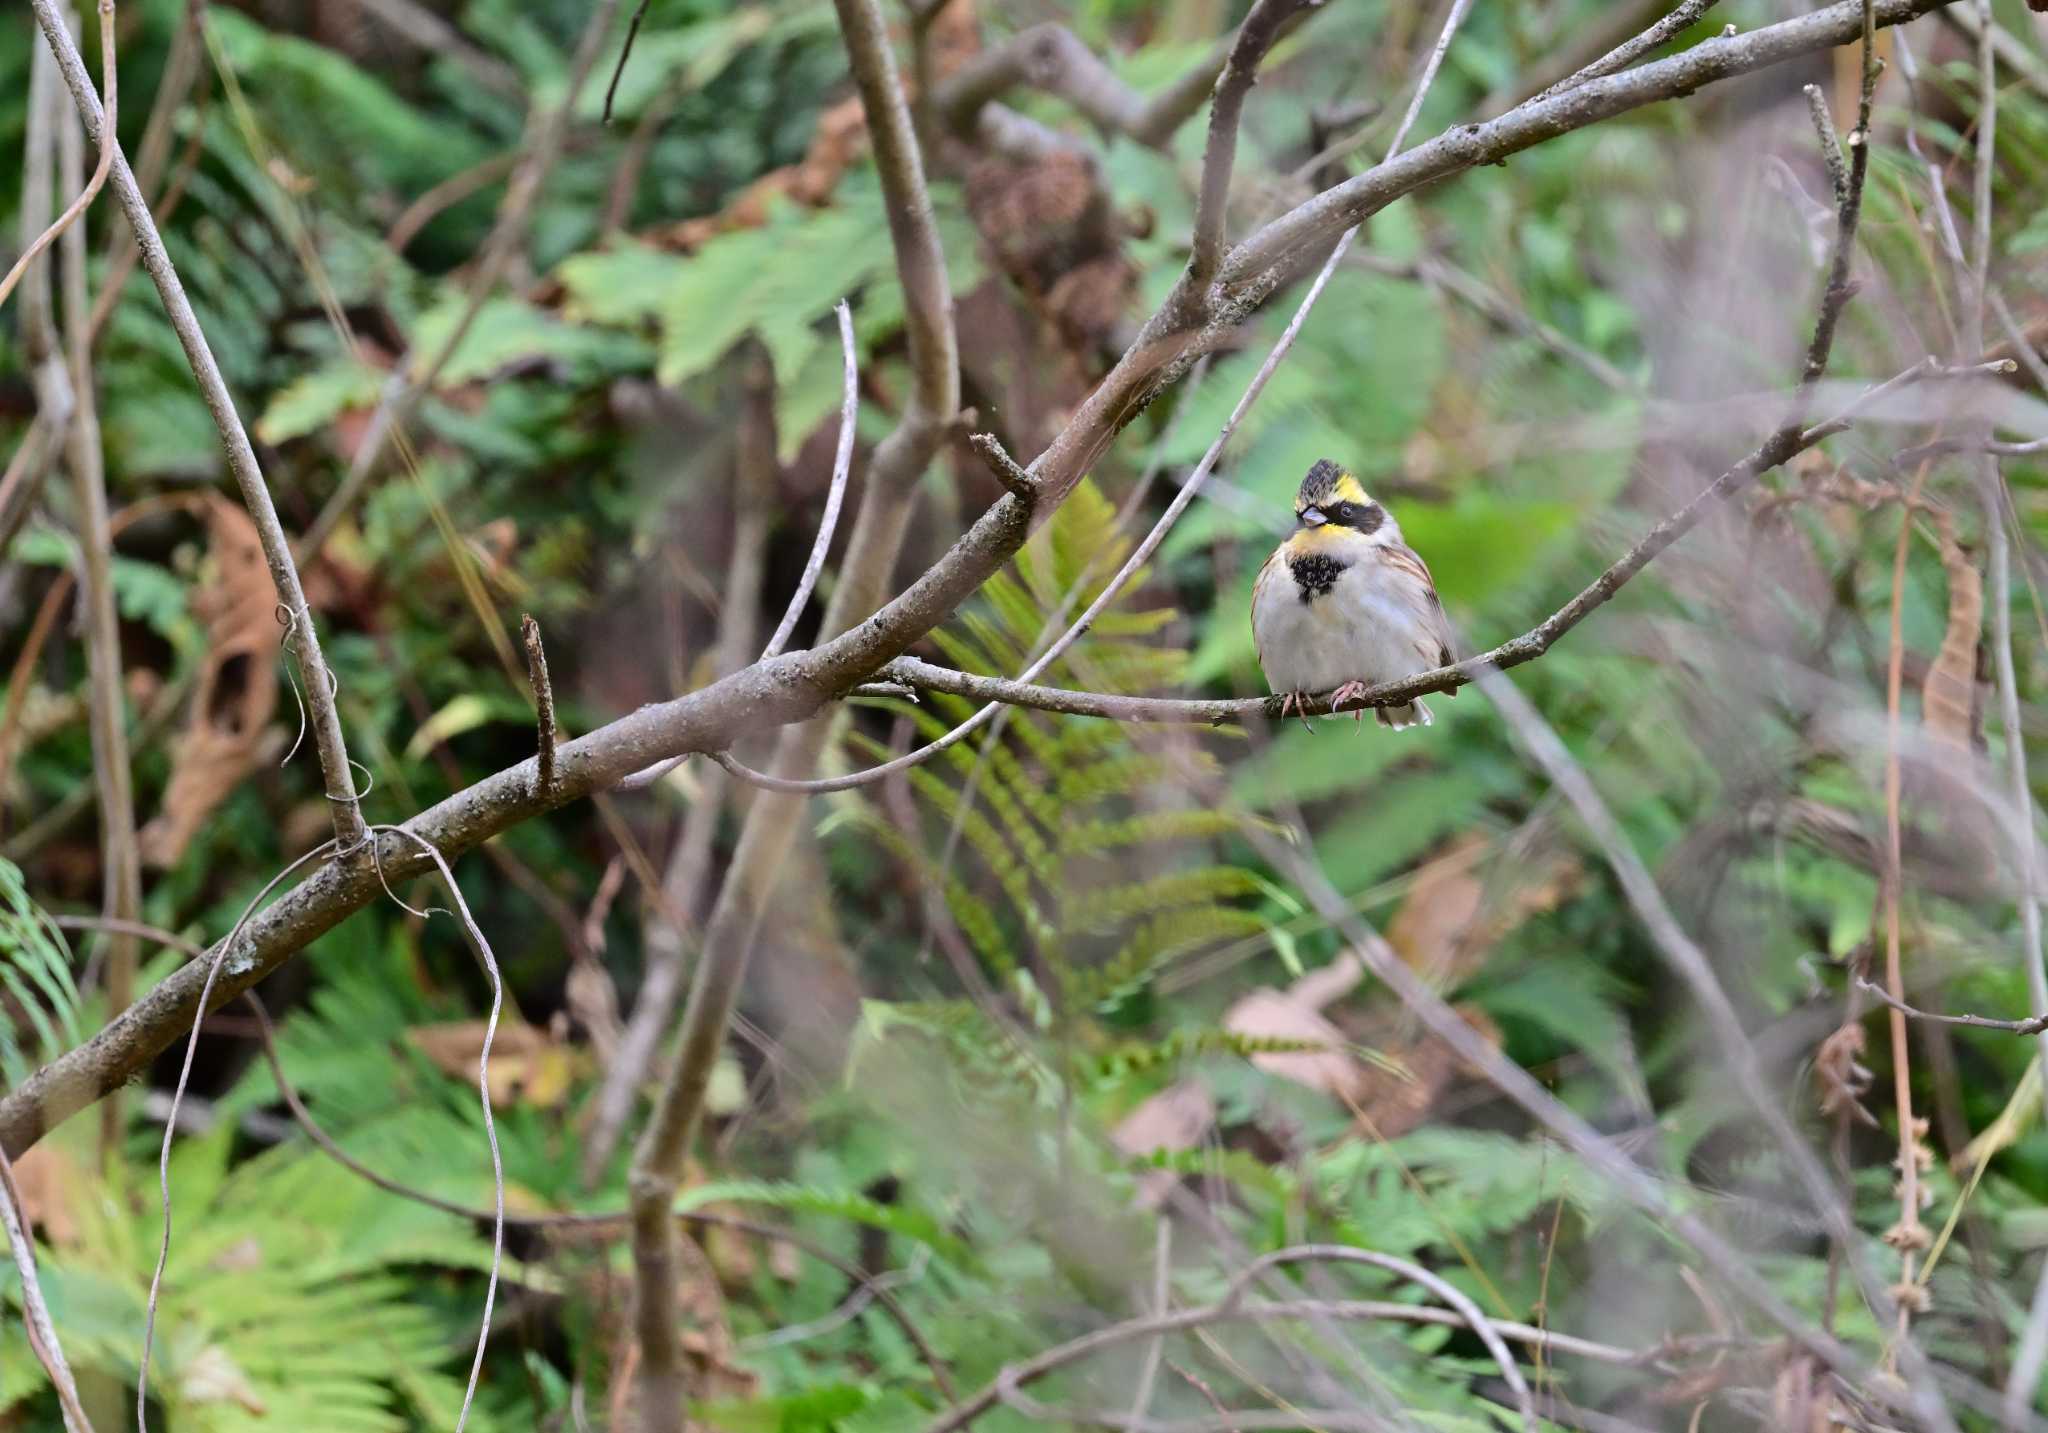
(462, 713)
(506, 331)
(622, 285)
(317, 397)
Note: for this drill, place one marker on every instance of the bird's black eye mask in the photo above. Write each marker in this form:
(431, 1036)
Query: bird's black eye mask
(1360, 517)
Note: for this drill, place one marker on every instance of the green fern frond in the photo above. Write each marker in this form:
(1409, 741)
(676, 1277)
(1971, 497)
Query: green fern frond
(1109, 907)
(1150, 828)
(35, 969)
(1139, 1057)
(1157, 941)
(977, 921)
(1048, 803)
(911, 1223)
(1010, 868)
(986, 1058)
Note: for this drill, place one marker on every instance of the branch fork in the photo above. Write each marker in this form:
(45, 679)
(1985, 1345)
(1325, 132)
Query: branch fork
(1012, 474)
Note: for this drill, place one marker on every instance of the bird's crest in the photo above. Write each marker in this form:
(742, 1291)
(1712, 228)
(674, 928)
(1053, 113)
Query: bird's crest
(1327, 483)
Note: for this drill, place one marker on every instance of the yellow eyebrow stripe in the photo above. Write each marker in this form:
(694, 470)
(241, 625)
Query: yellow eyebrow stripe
(1348, 490)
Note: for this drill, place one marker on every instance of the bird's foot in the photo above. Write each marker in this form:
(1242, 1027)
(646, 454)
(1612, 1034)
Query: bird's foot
(1344, 694)
(1297, 702)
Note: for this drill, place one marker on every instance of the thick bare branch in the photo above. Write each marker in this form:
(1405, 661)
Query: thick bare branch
(1226, 112)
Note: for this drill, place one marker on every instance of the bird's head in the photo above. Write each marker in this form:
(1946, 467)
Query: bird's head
(1333, 506)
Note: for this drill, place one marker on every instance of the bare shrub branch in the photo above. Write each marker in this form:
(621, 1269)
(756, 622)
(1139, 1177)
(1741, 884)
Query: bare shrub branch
(241, 457)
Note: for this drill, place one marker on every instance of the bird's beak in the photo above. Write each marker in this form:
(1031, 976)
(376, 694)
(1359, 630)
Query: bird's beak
(1313, 517)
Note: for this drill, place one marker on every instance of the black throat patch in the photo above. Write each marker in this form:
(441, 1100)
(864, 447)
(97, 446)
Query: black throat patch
(1315, 574)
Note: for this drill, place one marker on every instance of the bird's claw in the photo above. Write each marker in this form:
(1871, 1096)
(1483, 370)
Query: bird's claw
(1344, 694)
(1298, 703)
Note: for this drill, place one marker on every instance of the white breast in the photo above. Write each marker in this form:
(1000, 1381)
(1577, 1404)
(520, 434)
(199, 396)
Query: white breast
(1372, 626)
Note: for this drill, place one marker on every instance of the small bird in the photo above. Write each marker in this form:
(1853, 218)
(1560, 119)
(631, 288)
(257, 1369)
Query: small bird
(1344, 603)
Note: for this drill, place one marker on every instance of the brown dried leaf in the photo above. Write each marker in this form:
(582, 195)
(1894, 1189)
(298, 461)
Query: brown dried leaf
(53, 1190)
(527, 1065)
(213, 1376)
(1839, 1071)
(1178, 1118)
(1276, 1015)
(1948, 698)
(840, 138)
(1397, 1096)
(1459, 908)
(1802, 1399)
(237, 685)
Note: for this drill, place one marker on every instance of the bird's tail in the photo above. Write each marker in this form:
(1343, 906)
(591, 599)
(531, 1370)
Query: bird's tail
(1415, 713)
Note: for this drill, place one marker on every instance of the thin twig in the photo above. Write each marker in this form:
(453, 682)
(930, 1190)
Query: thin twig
(319, 679)
(1014, 476)
(543, 702)
(1623, 55)
(22, 482)
(842, 465)
(1939, 446)
(611, 89)
(1050, 57)
(1162, 1291)
(1428, 78)
(1233, 1306)
(40, 1327)
(2034, 1025)
(120, 856)
(1439, 273)
(483, 1079)
(111, 74)
(163, 1252)
(1908, 1236)
(1830, 144)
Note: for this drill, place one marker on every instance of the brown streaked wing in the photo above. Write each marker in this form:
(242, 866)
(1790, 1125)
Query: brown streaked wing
(1259, 586)
(1407, 560)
